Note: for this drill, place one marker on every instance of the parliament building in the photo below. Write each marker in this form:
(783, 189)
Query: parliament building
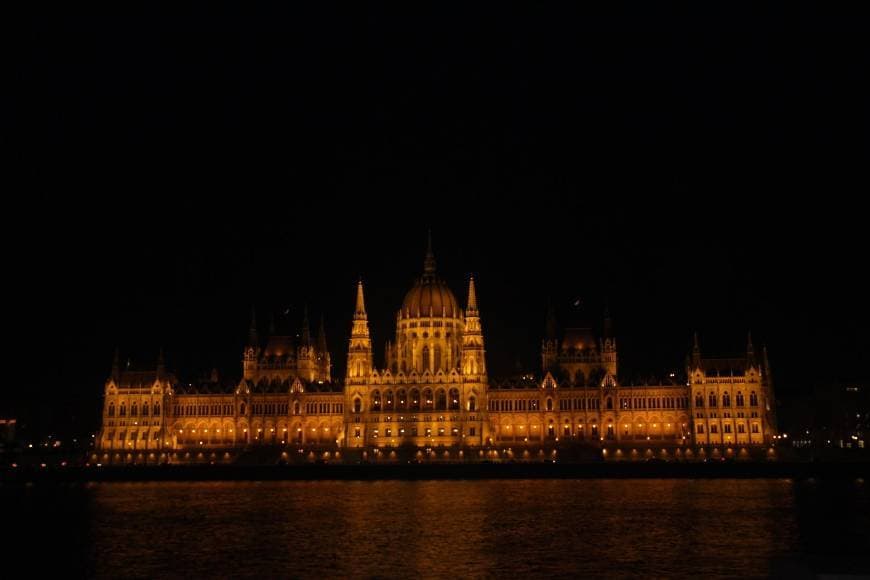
(432, 400)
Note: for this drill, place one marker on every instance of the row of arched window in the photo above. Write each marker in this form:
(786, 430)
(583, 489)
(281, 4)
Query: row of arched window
(714, 429)
(134, 410)
(414, 400)
(654, 402)
(200, 410)
(712, 400)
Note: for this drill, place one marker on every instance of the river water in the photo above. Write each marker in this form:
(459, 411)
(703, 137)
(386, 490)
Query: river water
(497, 528)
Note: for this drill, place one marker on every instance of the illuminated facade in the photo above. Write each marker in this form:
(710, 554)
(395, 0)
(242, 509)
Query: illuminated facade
(432, 397)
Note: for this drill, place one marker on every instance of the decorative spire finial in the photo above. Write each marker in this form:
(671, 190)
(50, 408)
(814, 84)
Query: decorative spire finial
(472, 295)
(306, 328)
(252, 331)
(321, 336)
(429, 262)
(360, 301)
(116, 363)
(551, 321)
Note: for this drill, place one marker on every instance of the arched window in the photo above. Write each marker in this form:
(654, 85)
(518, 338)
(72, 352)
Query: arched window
(414, 402)
(753, 399)
(357, 405)
(472, 403)
(425, 360)
(133, 410)
(551, 430)
(441, 400)
(609, 402)
(389, 404)
(726, 400)
(428, 402)
(376, 401)
(111, 409)
(739, 399)
(712, 399)
(242, 409)
(454, 399)
(401, 400)
(145, 409)
(549, 404)
(123, 412)
(156, 409)
(296, 408)
(699, 400)
(437, 358)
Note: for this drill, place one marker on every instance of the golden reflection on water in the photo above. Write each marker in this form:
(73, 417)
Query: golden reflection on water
(498, 528)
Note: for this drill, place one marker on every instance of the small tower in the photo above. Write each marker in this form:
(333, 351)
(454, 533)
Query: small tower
(389, 356)
(161, 365)
(306, 359)
(252, 349)
(550, 344)
(324, 361)
(429, 261)
(696, 352)
(359, 354)
(750, 350)
(608, 354)
(306, 329)
(116, 365)
(473, 359)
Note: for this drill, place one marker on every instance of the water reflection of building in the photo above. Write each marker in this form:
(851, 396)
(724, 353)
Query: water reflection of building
(432, 397)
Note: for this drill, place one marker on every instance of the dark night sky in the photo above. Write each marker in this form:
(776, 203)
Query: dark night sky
(698, 167)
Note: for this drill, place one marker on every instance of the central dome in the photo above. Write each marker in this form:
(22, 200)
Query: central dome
(430, 295)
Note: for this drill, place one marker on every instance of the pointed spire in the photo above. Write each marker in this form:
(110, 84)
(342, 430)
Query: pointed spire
(360, 312)
(253, 339)
(161, 366)
(750, 350)
(321, 336)
(696, 350)
(306, 328)
(608, 322)
(472, 296)
(429, 262)
(116, 363)
(551, 321)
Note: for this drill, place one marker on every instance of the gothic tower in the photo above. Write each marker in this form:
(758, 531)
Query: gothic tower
(359, 354)
(473, 360)
(550, 344)
(252, 349)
